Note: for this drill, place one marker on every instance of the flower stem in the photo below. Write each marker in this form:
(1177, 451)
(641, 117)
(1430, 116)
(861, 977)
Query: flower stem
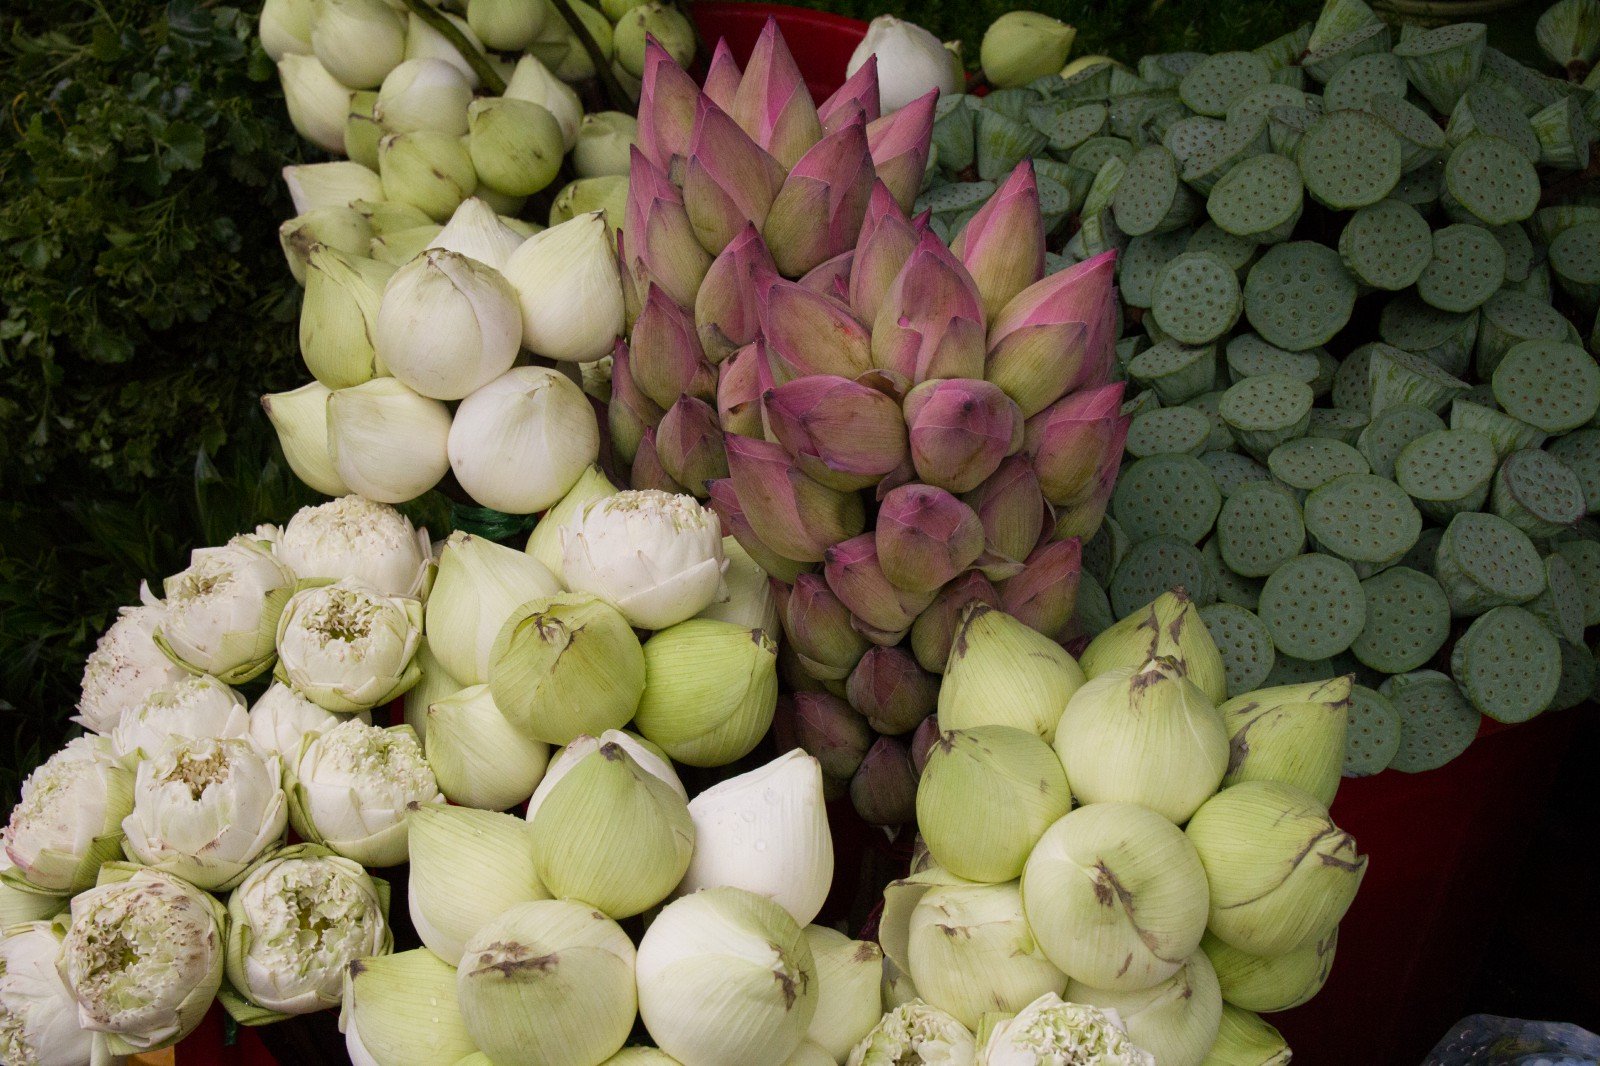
(475, 59)
(615, 95)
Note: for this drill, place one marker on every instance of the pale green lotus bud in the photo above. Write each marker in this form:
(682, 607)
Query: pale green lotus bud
(401, 1010)
(534, 82)
(609, 833)
(1281, 873)
(1245, 1039)
(222, 612)
(710, 691)
(915, 1032)
(1143, 736)
(726, 978)
(194, 707)
(68, 820)
(337, 184)
(501, 203)
(507, 25)
(1003, 673)
(479, 758)
(354, 787)
(386, 216)
(651, 759)
(316, 100)
(348, 647)
(849, 997)
(427, 169)
(1170, 627)
(477, 232)
(663, 21)
(468, 867)
(560, 50)
(340, 228)
(282, 717)
(1176, 1021)
(1291, 733)
(424, 94)
(297, 920)
(285, 28)
(362, 131)
(355, 537)
(399, 247)
(1116, 895)
(359, 41)
(570, 287)
(544, 543)
(750, 601)
(447, 325)
(565, 666)
(1021, 46)
(387, 442)
(604, 141)
(655, 556)
(124, 668)
(434, 685)
(521, 226)
(339, 315)
(479, 585)
(607, 194)
(896, 989)
(425, 42)
(1254, 982)
(550, 981)
(143, 956)
(516, 145)
(521, 441)
(38, 1014)
(300, 418)
(615, 9)
(900, 899)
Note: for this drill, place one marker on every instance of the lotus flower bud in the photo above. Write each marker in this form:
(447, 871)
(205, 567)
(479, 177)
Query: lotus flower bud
(358, 41)
(844, 435)
(341, 228)
(199, 706)
(520, 442)
(1176, 1021)
(818, 625)
(478, 757)
(858, 94)
(661, 244)
(544, 543)
(1003, 244)
(468, 867)
(884, 788)
(647, 473)
(605, 141)
(507, 25)
(721, 83)
(818, 211)
(387, 442)
(403, 1009)
(1051, 1029)
(925, 537)
(689, 444)
(1292, 733)
(900, 144)
(915, 1032)
(772, 102)
(571, 293)
(930, 323)
(477, 233)
(1056, 336)
(1282, 982)
(710, 690)
(664, 354)
(448, 325)
(831, 277)
(750, 602)
(630, 412)
(960, 432)
(734, 520)
(428, 169)
(1168, 628)
(398, 248)
(922, 742)
(68, 820)
(424, 94)
(1247, 1039)
(143, 957)
(1022, 46)
(1010, 506)
(564, 972)
(663, 22)
(281, 717)
(566, 666)
(1044, 595)
(1071, 441)
(337, 184)
(667, 102)
(894, 693)
(725, 302)
(886, 241)
(339, 316)
(856, 576)
(317, 102)
(425, 42)
(849, 1000)
(987, 795)
(480, 585)
(911, 61)
(808, 333)
(36, 1006)
(124, 667)
(826, 727)
(222, 611)
(607, 194)
(434, 685)
(515, 145)
(935, 628)
(532, 81)
(1003, 673)
(657, 557)
(962, 931)
(362, 132)
(728, 180)
(794, 514)
(285, 28)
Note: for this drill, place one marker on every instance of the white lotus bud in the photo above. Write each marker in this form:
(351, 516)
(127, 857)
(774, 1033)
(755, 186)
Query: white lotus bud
(359, 41)
(425, 42)
(476, 232)
(281, 717)
(521, 441)
(911, 61)
(401, 1010)
(479, 759)
(544, 543)
(222, 612)
(68, 819)
(534, 82)
(423, 94)
(516, 145)
(604, 141)
(296, 921)
(348, 647)
(318, 104)
(285, 28)
(571, 292)
(343, 229)
(336, 184)
(338, 314)
(301, 420)
(655, 556)
(479, 584)
(508, 25)
(38, 1016)
(448, 325)
(468, 867)
(434, 685)
(354, 787)
(354, 537)
(124, 668)
(194, 707)
(849, 996)
(388, 442)
(427, 169)
(651, 759)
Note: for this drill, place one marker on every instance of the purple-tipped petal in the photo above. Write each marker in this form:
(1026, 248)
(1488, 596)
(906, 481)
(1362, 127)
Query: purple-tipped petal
(893, 692)
(884, 788)
(725, 501)
(926, 537)
(689, 445)
(858, 95)
(1002, 246)
(665, 355)
(728, 181)
(886, 241)
(930, 323)
(1056, 336)
(660, 245)
(796, 515)
(818, 625)
(725, 305)
(852, 571)
(1044, 595)
(900, 143)
(1076, 444)
(630, 412)
(773, 103)
(817, 213)
(960, 431)
(722, 77)
(809, 333)
(935, 628)
(667, 99)
(845, 435)
(831, 277)
(1011, 507)
(647, 471)
(739, 393)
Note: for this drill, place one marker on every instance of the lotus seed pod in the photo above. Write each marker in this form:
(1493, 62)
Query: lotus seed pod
(1484, 561)
(1507, 664)
(1001, 672)
(1255, 983)
(1176, 1021)
(1537, 493)
(1293, 734)
(1442, 63)
(1169, 628)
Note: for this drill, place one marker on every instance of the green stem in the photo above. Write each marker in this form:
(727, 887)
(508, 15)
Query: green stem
(615, 94)
(475, 59)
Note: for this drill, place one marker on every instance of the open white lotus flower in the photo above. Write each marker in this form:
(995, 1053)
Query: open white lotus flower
(194, 707)
(1052, 1032)
(222, 612)
(348, 647)
(282, 716)
(354, 537)
(69, 818)
(38, 1016)
(655, 556)
(354, 787)
(915, 1034)
(125, 667)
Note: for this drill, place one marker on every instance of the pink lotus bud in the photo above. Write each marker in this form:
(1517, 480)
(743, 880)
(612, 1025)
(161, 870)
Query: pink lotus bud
(886, 241)
(1073, 442)
(739, 393)
(647, 471)
(809, 333)
(773, 104)
(793, 513)
(665, 356)
(728, 180)
(1002, 246)
(1056, 336)
(818, 212)
(900, 143)
(930, 323)
(830, 729)
(667, 99)
(859, 93)
(725, 501)
(922, 742)
(935, 628)
(926, 537)
(1011, 508)
(884, 788)
(845, 435)
(725, 306)
(831, 277)
(1082, 519)
(630, 411)
(689, 445)
(722, 77)
(893, 692)
(1045, 595)
(818, 625)
(883, 638)
(854, 574)
(660, 245)
(960, 431)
